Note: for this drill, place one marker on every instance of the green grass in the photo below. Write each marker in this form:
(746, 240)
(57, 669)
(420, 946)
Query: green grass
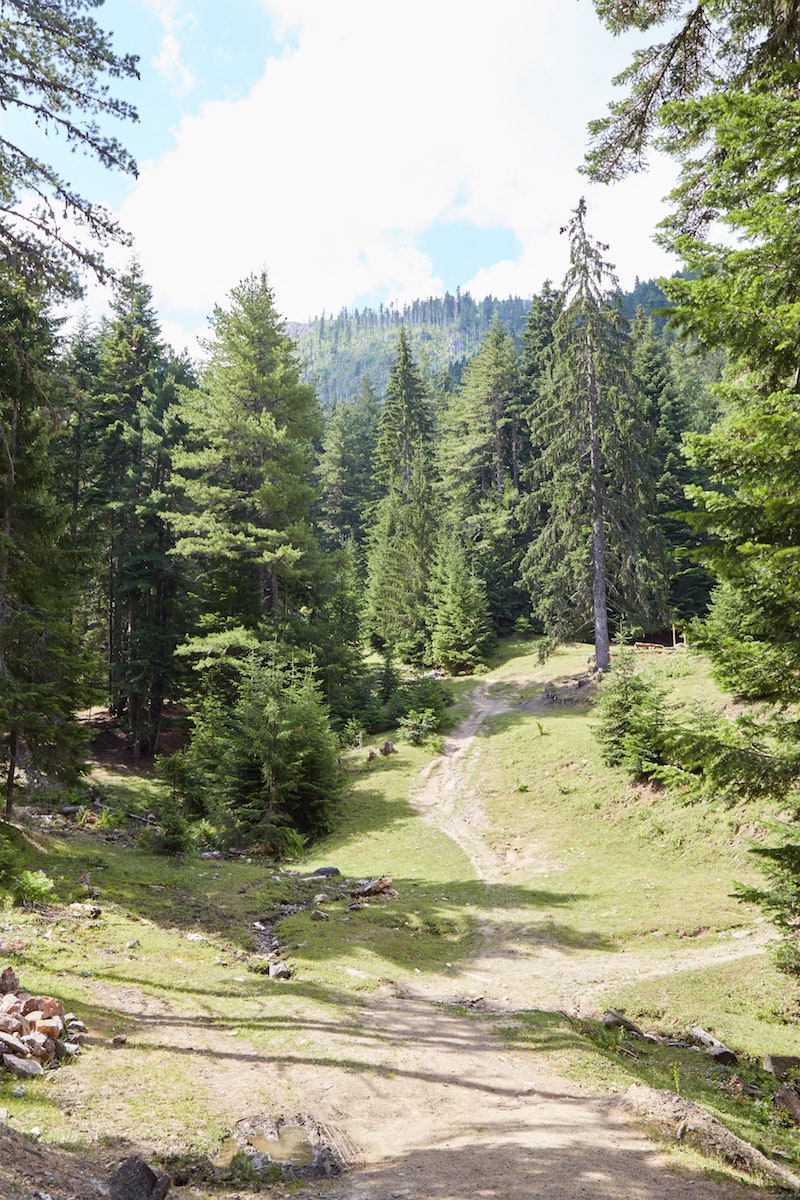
(611, 1059)
(616, 867)
(643, 865)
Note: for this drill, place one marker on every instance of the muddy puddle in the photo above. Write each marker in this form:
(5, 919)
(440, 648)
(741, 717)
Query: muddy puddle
(296, 1145)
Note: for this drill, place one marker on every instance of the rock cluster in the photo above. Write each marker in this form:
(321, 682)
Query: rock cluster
(35, 1031)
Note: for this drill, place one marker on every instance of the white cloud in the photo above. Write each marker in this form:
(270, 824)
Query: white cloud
(378, 123)
(169, 62)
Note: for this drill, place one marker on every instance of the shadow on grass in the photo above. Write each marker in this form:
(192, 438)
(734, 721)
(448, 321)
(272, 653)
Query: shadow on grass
(443, 1042)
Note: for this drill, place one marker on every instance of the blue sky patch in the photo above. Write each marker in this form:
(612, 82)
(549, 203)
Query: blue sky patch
(458, 249)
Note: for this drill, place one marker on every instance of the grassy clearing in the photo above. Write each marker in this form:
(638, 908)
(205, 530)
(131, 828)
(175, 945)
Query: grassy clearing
(645, 868)
(602, 865)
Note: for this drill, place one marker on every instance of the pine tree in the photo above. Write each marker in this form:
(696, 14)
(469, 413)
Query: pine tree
(246, 471)
(43, 670)
(402, 541)
(593, 548)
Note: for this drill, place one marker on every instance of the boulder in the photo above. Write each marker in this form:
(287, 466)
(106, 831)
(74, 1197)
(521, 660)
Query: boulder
(22, 1067)
(779, 1065)
(48, 1006)
(10, 1042)
(40, 1046)
(51, 1026)
(134, 1180)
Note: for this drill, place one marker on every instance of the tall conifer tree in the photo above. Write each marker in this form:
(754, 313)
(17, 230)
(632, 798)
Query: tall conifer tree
(132, 495)
(593, 551)
(402, 540)
(347, 485)
(247, 470)
(480, 462)
(666, 411)
(43, 670)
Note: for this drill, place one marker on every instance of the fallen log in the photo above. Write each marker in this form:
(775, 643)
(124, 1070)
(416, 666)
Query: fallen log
(713, 1047)
(614, 1018)
(674, 1115)
(372, 887)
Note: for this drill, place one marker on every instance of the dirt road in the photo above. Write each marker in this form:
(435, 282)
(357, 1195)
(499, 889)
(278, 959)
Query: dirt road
(422, 1101)
(451, 1115)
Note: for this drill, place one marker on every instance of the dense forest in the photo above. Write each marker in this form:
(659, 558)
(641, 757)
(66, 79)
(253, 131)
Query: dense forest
(226, 546)
(219, 542)
(444, 332)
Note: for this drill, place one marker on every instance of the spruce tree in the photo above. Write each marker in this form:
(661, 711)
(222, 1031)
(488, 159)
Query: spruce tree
(719, 93)
(43, 669)
(132, 493)
(480, 461)
(347, 485)
(462, 627)
(402, 541)
(406, 422)
(246, 470)
(262, 764)
(593, 550)
(667, 413)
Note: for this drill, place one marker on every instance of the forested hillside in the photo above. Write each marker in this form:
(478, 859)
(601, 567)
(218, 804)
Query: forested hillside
(444, 334)
(226, 547)
(274, 548)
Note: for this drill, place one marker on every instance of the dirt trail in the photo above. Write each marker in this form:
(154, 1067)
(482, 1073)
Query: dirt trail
(424, 1102)
(443, 1111)
(531, 974)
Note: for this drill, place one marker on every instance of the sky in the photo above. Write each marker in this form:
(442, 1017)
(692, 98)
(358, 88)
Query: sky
(363, 152)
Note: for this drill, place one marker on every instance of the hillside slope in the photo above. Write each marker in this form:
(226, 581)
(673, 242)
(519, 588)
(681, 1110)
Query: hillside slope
(420, 1034)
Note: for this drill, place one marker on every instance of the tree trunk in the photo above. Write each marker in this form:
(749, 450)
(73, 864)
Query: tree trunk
(602, 644)
(13, 747)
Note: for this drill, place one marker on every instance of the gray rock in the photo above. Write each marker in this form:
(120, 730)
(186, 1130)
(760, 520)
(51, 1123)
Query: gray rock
(22, 1067)
(279, 970)
(11, 1044)
(327, 871)
(134, 1180)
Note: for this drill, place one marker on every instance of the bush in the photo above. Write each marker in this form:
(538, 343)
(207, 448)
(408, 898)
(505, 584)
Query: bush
(633, 717)
(418, 725)
(263, 767)
(32, 887)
